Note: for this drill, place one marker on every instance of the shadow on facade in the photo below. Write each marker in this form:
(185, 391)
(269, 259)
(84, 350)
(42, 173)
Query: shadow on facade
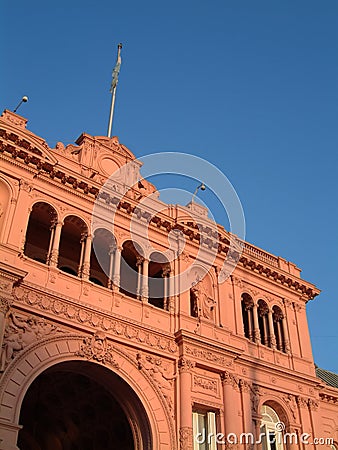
(82, 406)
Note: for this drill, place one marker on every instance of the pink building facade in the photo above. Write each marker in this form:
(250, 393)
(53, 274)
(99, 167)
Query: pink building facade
(110, 341)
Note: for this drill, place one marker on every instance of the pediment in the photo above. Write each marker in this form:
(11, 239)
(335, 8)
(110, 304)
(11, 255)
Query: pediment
(13, 132)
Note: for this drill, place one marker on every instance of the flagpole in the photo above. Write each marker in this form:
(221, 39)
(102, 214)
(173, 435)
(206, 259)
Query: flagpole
(111, 114)
(113, 89)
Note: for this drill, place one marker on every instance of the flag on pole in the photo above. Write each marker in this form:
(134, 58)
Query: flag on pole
(116, 71)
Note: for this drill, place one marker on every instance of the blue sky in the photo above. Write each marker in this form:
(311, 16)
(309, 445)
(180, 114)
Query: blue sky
(251, 86)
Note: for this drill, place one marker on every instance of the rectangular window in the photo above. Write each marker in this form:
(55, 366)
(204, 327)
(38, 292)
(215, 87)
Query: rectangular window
(204, 430)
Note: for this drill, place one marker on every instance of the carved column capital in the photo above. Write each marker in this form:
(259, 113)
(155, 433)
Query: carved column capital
(185, 365)
(301, 401)
(5, 304)
(229, 378)
(244, 386)
(313, 404)
(186, 438)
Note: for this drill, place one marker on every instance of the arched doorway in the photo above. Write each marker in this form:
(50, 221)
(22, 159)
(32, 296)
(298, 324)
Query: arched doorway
(79, 405)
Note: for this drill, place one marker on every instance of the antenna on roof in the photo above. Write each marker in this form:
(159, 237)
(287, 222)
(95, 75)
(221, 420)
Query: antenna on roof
(23, 100)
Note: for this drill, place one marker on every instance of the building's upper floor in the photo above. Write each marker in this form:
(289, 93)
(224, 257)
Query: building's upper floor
(85, 226)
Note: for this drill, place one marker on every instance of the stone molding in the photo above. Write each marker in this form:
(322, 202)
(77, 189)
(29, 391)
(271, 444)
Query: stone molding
(81, 313)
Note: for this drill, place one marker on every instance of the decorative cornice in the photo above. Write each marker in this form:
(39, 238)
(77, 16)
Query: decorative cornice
(253, 258)
(83, 314)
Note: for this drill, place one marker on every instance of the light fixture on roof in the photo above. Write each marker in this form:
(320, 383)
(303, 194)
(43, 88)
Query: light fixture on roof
(23, 100)
(202, 187)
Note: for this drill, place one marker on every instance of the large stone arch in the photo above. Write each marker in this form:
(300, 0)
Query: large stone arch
(44, 354)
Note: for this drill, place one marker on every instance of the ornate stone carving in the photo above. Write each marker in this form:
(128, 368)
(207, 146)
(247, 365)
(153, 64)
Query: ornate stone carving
(186, 438)
(244, 386)
(290, 400)
(154, 367)
(97, 348)
(205, 384)
(65, 308)
(25, 186)
(313, 404)
(207, 355)
(255, 395)
(21, 332)
(185, 365)
(301, 402)
(229, 378)
(204, 304)
(5, 304)
(237, 282)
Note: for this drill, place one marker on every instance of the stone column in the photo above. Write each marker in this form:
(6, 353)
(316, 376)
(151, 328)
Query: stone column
(315, 419)
(231, 402)
(111, 254)
(286, 342)
(271, 334)
(185, 367)
(292, 327)
(166, 292)
(303, 331)
(305, 419)
(85, 272)
(53, 256)
(237, 287)
(256, 332)
(117, 268)
(246, 408)
(139, 262)
(145, 287)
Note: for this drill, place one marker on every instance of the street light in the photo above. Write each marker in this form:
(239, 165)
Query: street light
(202, 187)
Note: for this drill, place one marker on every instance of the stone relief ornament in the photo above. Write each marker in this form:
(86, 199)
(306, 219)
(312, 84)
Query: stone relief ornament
(97, 348)
(313, 404)
(5, 304)
(185, 365)
(159, 374)
(301, 402)
(290, 400)
(204, 303)
(255, 395)
(21, 332)
(186, 438)
(229, 378)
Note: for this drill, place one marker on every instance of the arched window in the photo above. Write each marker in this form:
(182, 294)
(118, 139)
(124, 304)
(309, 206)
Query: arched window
(72, 246)
(39, 232)
(102, 257)
(247, 315)
(158, 282)
(278, 317)
(131, 258)
(272, 437)
(263, 322)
